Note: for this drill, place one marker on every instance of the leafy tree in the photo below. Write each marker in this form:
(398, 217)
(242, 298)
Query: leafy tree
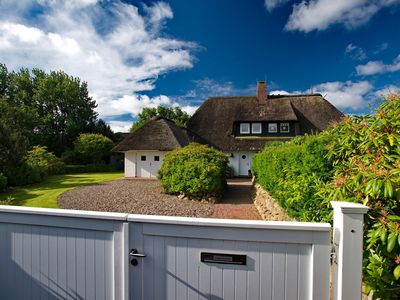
(93, 148)
(175, 114)
(103, 128)
(58, 105)
(65, 110)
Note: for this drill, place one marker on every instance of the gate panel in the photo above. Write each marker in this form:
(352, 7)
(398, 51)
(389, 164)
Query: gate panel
(52, 254)
(280, 262)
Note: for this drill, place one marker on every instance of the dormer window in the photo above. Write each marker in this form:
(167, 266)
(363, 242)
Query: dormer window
(256, 128)
(272, 127)
(244, 128)
(284, 127)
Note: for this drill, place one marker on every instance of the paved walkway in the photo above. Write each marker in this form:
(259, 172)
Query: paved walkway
(237, 202)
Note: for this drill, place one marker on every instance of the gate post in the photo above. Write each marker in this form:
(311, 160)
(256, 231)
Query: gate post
(348, 233)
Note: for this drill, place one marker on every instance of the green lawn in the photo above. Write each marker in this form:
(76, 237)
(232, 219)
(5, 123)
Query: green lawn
(45, 194)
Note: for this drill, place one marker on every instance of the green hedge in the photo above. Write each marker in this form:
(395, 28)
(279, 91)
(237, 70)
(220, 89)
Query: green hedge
(195, 170)
(24, 174)
(92, 168)
(356, 161)
(292, 173)
(3, 182)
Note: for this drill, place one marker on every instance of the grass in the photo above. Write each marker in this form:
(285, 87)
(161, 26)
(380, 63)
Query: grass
(45, 194)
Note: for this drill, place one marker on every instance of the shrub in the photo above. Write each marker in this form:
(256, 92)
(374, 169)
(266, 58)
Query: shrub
(92, 148)
(195, 170)
(3, 182)
(24, 174)
(92, 168)
(44, 160)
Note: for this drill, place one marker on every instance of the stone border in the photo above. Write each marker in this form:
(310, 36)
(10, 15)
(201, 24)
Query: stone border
(267, 206)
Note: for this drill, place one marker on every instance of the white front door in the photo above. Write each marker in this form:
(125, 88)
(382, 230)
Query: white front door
(244, 164)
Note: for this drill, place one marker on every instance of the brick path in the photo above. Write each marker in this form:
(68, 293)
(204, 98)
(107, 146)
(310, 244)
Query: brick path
(237, 202)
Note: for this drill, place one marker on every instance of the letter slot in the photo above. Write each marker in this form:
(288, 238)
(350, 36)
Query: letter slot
(223, 258)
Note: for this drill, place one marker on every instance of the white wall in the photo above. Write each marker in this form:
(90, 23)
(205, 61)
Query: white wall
(130, 164)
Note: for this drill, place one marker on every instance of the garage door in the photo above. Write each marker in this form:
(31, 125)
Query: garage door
(148, 165)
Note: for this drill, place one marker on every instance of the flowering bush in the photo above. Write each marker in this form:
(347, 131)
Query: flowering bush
(366, 158)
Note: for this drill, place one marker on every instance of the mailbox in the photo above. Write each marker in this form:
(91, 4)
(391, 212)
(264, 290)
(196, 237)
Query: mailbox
(223, 258)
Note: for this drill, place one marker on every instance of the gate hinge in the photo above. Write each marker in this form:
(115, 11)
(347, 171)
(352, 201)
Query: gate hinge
(333, 253)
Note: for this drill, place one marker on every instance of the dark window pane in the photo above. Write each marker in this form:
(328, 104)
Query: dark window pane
(244, 156)
(143, 158)
(156, 158)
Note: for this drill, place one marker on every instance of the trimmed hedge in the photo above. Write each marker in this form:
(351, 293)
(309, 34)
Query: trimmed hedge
(92, 168)
(292, 173)
(195, 170)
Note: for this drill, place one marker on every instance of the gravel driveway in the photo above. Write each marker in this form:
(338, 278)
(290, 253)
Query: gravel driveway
(138, 196)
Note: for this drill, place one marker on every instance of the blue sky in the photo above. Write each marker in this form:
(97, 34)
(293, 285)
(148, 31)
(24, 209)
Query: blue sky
(135, 54)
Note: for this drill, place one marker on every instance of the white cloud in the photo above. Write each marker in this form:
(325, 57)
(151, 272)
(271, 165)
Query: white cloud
(355, 52)
(272, 4)
(280, 92)
(119, 52)
(389, 89)
(345, 95)
(312, 15)
(377, 67)
(120, 126)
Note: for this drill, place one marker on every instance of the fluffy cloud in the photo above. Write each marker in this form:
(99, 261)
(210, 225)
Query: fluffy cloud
(113, 47)
(355, 52)
(272, 4)
(120, 126)
(312, 15)
(377, 67)
(389, 89)
(345, 95)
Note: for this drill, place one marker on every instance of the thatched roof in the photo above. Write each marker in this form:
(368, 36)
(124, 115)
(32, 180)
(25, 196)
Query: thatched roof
(158, 134)
(214, 120)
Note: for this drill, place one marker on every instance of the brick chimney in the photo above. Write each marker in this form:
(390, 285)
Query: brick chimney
(262, 93)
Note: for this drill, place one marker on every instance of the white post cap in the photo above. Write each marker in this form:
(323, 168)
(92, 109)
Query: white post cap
(350, 207)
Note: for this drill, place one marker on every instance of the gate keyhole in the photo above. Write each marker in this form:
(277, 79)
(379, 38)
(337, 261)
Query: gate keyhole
(134, 262)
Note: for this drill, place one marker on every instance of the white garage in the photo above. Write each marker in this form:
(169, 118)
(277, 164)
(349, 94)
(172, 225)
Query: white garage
(146, 148)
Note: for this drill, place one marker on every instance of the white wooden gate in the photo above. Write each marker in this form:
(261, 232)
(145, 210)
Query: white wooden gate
(65, 254)
(280, 259)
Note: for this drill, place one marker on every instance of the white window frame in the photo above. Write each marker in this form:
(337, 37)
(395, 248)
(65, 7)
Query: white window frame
(252, 128)
(284, 131)
(272, 131)
(244, 131)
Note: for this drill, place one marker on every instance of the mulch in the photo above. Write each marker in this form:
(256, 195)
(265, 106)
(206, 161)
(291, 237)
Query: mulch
(136, 196)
